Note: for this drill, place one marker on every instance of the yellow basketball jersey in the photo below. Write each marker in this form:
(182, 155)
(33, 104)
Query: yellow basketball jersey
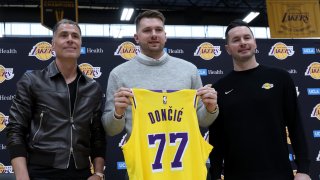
(165, 142)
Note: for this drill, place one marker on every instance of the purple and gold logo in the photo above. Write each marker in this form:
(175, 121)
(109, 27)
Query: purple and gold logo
(281, 51)
(207, 51)
(4, 120)
(5, 73)
(127, 50)
(42, 51)
(316, 112)
(5, 169)
(313, 70)
(267, 86)
(90, 71)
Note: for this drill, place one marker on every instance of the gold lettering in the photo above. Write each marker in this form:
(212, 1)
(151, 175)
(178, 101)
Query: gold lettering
(59, 14)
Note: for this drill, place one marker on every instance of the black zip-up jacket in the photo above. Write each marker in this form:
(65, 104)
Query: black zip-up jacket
(42, 127)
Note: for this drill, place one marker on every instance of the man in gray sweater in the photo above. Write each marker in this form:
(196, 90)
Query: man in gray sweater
(155, 70)
(152, 69)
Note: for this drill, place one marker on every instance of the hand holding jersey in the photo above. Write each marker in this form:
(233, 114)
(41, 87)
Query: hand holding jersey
(209, 97)
(121, 101)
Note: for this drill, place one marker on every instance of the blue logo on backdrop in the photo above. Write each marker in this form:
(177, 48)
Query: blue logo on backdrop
(308, 50)
(316, 133)
(121, 165)
(165, 50)
(313, 91)
(203, 72)
(83, 50)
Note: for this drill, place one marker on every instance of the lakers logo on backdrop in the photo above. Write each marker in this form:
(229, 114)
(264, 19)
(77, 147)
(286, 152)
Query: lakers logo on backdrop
(281, 51)
(90, 71)
(207, 51)
(127, 50)
(5, 169)
(316, 112)
(42, 51)
(5, 73)
(313, 70)
(2, 168)
(3, 121)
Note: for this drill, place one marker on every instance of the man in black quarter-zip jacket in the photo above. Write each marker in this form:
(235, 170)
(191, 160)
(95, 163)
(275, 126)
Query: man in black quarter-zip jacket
(55, 125)
(256, 103)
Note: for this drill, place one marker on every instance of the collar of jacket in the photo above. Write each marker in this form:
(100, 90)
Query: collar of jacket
(54, 71)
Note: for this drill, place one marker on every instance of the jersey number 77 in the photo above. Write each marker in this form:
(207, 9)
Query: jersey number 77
(160, 138)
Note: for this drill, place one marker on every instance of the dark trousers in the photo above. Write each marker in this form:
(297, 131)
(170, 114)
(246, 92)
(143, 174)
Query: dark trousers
(38, 172)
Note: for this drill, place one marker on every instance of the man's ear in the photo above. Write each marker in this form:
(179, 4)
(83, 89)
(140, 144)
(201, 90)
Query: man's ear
(136, 38)
(227, 48)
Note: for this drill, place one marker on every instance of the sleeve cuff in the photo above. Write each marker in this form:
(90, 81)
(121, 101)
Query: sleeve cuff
(115, 115)
(17, 151)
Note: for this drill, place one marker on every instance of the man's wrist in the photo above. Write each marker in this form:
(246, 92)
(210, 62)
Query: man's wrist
(101, 175)
(215, 110)
(118, 116)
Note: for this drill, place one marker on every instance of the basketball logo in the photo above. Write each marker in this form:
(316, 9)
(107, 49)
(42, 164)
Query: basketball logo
(313, 70)
(207, 51)
(127, 50)
(281, 51)
(2, 73)
(42, 51)
(267, 86)
(2, 168)
(164, 99)
(295, 24)
(3, 121)
(316, 112)
(5, 73)
(90, 71)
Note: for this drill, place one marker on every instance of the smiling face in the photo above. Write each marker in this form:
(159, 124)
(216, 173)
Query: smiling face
(241, 44)
(151, 37)
(66, 42)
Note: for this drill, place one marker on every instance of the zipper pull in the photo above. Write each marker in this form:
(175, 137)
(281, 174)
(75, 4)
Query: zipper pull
(72, 123)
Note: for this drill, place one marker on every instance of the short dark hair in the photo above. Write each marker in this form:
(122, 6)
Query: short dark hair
(236, 23)
(149, 14)
(64, 21)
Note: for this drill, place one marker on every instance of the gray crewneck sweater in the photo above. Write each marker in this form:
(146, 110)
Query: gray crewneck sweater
(167, 73)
